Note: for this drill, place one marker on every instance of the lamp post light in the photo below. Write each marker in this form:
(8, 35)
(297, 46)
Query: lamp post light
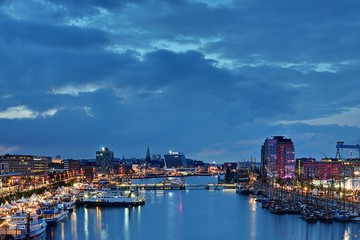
(356, 188)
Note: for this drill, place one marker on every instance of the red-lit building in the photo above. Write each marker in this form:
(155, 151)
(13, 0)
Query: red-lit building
(278, 157)
(328, 169)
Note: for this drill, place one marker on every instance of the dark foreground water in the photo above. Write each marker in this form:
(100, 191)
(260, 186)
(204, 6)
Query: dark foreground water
(194, 214)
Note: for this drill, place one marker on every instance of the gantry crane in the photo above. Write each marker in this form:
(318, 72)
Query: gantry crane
(341, 145)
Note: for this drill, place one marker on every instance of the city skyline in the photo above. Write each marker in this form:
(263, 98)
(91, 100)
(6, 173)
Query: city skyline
(212, 79)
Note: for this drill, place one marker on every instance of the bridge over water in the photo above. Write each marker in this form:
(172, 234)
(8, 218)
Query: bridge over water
(164, 186)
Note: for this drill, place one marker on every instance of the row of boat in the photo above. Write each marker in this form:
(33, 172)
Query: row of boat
(24, 218)
(29, 217)
(307, 209)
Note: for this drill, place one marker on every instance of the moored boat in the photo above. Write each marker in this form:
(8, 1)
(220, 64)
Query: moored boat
(173, 183)
(112, 198)
(69, 205)
(309, 217)
(53, 212)
(243, 190)
(22, 225)
(276, 209)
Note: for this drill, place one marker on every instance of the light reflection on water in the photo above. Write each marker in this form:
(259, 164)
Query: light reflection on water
(347, 234)
(127, 216)
(252, 218)
(194, 214)
(73, 226)
(98, 219)
(86, 223)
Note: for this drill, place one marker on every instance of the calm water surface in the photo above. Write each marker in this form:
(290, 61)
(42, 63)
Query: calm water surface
(193, 214)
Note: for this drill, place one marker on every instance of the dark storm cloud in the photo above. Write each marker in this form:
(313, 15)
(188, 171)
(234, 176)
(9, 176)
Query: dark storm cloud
(185, 68)
(308, 30)
(208, 79)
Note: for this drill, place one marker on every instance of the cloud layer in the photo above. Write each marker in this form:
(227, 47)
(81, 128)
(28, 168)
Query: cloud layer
(212, 79)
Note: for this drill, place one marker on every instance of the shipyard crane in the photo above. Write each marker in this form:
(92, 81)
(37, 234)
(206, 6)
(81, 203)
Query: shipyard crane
(341, 145)
(325, 156)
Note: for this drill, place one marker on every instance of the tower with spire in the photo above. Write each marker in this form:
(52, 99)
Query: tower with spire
(147, 158)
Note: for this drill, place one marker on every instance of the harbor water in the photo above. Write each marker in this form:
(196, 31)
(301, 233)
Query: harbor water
(193, 214)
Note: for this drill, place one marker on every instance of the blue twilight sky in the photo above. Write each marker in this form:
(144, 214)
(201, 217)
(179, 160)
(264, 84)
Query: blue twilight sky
(212, 79)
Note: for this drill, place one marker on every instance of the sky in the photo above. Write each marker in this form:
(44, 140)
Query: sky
(211, 79)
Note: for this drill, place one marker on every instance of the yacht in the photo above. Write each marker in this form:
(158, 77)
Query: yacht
(112, 198)
(173, 183)
(53, 212)
(22, 225)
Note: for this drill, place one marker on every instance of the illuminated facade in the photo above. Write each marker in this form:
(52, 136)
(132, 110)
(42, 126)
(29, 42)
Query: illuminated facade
(105, 161)
(4, 167)
(174, 159)
(330, 169)
(27, 165)
(278, 157)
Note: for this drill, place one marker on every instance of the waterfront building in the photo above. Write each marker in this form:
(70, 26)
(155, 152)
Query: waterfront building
(27, 165)
(125, 168)
(88, 171)
(333, 173)
(214, 169)
(175, 159)
(105, 161)
(4, 167)
(230, 166)
(278, 157)
(72, 166)
(328, 169)
(194, 163)
(299, 166)
(320, 170)
(56, 164)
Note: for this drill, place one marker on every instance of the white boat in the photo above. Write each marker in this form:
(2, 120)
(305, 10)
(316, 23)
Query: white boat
(112, 198)
(243, 190)
(69, 205)
(173, 183)
(53, 212)
(69, 202)
(67, 196)
(15, 226)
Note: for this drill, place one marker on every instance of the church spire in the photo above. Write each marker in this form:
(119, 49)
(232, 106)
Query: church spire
(147, 158)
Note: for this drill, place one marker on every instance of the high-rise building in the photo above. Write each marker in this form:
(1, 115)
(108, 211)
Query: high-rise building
(174, 159)
(104, 161)
(278, 157)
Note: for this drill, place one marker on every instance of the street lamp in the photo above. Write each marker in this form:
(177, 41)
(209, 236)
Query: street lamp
(356, 175)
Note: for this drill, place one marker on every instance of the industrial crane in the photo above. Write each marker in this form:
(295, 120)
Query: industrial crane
(341, 145)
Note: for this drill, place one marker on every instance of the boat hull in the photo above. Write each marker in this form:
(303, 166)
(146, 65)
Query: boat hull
(34, 232)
